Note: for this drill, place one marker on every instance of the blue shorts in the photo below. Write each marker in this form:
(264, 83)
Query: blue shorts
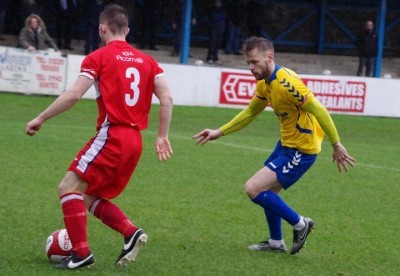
(289, 164)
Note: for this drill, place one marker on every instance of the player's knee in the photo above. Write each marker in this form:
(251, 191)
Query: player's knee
(63, 188)
(71, 183)
(251, 189)
(89, 201)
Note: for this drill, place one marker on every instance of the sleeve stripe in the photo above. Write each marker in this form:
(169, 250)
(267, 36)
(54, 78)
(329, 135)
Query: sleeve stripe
(90, 76)
(159, 75)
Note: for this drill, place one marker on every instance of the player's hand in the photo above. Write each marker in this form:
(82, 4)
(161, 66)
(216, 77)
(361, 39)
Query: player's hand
(341, 157)
(207, 135)
(163, 148)
(33, 126)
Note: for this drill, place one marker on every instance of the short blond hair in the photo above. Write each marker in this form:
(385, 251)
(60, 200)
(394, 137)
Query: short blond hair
(255, 42)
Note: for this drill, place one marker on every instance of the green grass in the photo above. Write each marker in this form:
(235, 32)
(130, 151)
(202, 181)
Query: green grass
(193, 207)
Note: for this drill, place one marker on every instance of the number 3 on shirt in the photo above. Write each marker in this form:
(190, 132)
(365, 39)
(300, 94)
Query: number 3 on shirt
(130, 99)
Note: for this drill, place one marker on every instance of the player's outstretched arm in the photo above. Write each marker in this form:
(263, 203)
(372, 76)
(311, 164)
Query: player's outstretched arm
(207, 135)
(244, 118)
(64, 102)
(341, 157)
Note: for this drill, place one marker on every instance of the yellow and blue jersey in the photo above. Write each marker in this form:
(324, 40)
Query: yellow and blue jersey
(303, 120)
(286, 93)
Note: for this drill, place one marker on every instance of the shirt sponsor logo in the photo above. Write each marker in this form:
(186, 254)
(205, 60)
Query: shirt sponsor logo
(129, 59)
(126, 53)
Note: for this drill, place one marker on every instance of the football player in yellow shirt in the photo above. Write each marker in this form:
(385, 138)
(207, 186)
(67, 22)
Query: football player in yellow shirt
(303, 122)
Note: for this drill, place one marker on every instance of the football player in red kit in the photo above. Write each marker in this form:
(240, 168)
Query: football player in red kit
(125, 80)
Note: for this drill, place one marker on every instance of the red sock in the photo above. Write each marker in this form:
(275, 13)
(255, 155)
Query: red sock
(75, 221)
(112, 216)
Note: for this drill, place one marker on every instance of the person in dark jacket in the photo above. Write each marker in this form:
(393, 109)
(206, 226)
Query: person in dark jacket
(66, 21)
(176, 25)
(254, 17)
(216, 29)
(92, 41)
(34, 35)
(150, 18)
(3, 13)
(236, 15)
(26, 8)
(367, 45)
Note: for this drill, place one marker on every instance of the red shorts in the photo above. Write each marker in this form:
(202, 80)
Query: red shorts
(108, 160)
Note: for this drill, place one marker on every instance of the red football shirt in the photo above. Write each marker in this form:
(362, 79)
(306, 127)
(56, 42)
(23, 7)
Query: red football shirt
(124, 83)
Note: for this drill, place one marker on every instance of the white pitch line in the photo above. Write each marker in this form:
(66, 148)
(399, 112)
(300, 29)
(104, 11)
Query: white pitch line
(232, 145)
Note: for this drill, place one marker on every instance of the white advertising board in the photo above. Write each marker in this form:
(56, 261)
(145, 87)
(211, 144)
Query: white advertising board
(38, 72)
(48, 73)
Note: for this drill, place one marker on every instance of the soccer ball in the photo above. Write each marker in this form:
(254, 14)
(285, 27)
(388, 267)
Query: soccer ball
(58, 246)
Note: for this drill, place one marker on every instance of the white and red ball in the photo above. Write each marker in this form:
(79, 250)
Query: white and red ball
(58, 246)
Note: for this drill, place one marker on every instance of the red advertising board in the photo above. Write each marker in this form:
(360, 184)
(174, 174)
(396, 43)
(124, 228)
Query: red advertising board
(236, 88)
(335, 94)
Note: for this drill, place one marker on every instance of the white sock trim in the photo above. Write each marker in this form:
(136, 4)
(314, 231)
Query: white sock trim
(70, 197)
(94, 205)
(276, 243)
(300, 225)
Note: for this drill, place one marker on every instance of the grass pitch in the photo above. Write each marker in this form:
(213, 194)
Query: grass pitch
(193, 207)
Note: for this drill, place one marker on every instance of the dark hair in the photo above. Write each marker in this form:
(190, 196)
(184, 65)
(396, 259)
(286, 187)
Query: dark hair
(259, 43)
(115, 17)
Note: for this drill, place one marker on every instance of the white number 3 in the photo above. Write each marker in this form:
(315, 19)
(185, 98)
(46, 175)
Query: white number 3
(130, 99)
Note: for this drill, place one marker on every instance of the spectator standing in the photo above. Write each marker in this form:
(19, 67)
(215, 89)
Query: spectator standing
(130, 7)
(28, 7)
(254, 11)
(236, 14)
(216, 30)
(177, 25)
(3, 13)
(67, 10)
(34, 35)
(367, 45)
(150, 16)
(94, 9)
